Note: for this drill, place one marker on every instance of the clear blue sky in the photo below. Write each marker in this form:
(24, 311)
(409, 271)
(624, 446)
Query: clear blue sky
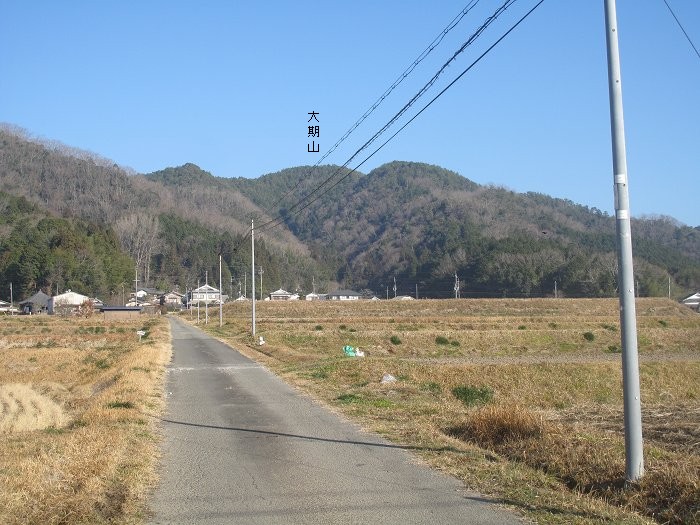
(227, 85)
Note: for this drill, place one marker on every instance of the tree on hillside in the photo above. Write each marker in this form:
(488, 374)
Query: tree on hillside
(138, 234)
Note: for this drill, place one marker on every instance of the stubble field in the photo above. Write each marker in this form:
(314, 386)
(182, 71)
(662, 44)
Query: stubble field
(79, 401)
(521, 399)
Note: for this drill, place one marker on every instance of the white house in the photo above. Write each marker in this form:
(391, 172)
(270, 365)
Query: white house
(344, 295)
(692, 300)
(206, 294)
(316, 297)
(67, 302)
(281, 295)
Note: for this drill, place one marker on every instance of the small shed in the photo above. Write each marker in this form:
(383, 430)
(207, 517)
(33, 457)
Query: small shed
(118, 313)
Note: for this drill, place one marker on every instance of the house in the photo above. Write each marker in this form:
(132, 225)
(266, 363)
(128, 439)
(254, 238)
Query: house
(36, 304)
(344, 295)
(67, 303)
(316, 297)
(173, 299)
(282, 295)
(206, 294)
(692, 300)
(148, 295)
(4, 306)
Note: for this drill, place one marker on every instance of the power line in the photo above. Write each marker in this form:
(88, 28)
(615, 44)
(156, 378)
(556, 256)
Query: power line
(436, 42)
(274, 223)
(684, 32)
(508, 3)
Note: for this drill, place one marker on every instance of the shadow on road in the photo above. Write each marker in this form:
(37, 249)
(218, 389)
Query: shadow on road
(315, 438)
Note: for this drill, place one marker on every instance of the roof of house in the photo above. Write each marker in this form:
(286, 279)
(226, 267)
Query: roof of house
(206, 288)
(281, 292)
(68, 296)
(349, 293)
(151, 291)
(39, 299)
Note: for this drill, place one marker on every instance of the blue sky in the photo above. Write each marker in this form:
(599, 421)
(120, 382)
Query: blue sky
(227, 85)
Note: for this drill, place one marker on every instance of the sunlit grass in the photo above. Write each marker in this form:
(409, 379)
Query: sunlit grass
(547, 375)
(78, 446)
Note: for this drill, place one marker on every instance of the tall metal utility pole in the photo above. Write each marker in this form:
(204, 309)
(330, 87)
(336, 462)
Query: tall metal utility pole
(252, 256)
(634, 454)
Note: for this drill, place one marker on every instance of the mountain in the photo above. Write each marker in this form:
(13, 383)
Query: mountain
(414, 222)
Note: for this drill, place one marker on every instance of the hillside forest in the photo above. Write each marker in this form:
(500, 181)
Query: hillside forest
(71, 219)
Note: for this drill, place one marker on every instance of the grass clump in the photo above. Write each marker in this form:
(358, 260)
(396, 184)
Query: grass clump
(318, 328)
(440, 340)
(473, 396)
(120, 404)
(586, 462)
(495, 425)
(432, 387)
(589, 336)
(395, 340)
(346, 399)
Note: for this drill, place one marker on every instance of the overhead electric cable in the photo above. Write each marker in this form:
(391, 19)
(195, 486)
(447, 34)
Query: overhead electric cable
(436, 42)
(681, 26)
(421, 92)
(272, 224)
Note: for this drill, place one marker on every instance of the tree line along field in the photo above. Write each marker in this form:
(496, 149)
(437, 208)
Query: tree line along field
(521, 399)
(79, 406)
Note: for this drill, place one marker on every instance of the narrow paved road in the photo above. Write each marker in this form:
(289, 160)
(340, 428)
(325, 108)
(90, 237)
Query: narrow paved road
(241, 446)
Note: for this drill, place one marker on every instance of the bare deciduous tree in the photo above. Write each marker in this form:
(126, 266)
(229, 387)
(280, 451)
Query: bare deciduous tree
(138, 234)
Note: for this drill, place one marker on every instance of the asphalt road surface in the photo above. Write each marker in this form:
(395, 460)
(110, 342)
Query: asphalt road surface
(241, 446)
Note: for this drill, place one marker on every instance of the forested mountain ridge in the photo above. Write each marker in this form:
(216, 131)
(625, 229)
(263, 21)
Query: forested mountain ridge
(418, 223)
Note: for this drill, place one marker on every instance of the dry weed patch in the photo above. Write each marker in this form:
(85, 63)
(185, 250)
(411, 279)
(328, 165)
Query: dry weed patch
(549, 437)
(85, 449)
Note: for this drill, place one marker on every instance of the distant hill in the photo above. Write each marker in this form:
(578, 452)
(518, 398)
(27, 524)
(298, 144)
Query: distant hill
(417, 223)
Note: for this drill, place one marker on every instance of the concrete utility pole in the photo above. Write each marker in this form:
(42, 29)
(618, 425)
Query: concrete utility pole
(252, 256)
(136, 285)
(221, 299)
(206, 297)
(261, 272)
(394, 287)
(634, 454)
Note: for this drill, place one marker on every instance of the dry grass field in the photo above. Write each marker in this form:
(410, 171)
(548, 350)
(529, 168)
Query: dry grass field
(521, 399)
(78, 445)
